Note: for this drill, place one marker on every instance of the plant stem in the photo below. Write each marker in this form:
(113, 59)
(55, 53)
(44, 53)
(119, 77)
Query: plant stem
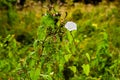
(72, 37)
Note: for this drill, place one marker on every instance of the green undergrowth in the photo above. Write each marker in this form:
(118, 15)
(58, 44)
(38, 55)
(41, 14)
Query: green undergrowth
(38, 47)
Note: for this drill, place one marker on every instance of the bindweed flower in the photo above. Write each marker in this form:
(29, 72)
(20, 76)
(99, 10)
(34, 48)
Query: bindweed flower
(71, 26)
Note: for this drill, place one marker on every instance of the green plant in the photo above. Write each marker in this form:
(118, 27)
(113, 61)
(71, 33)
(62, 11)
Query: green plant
(46, 48)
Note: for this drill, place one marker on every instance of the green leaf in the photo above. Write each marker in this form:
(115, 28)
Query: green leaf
(47, 20)
(67, 47)
(73, 68)
(86, 69)
(35, 44)
(69, 36)
(67, 57)
(41, 33)
(35, 74)
(88, 56)
(10, 54)
(46, 77)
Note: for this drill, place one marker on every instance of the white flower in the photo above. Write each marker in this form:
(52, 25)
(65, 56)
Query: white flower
(71, 26)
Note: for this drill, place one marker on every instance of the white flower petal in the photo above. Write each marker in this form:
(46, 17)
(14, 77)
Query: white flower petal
(71, 26)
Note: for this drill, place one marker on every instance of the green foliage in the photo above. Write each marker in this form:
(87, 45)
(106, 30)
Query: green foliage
(89, 53)
(41, 36)
(88, 56)
(12, 17)
(86, 69)
(7, 3)
(47, 20)
(34, 74)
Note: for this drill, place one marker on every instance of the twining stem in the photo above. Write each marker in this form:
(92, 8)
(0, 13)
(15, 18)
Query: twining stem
(72, 37)
(73, 40)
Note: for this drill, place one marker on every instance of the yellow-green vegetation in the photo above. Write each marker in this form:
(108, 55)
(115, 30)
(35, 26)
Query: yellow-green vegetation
(35, 45)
